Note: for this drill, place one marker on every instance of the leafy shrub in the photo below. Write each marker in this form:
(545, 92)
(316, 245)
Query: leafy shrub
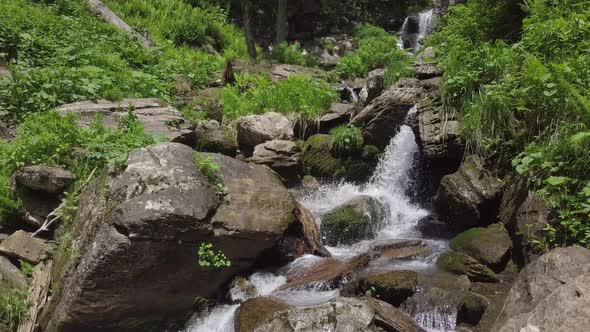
(376, 48)
(14, 306)
(209, 258)
(298, 94)
(346, 139)
(292, 54)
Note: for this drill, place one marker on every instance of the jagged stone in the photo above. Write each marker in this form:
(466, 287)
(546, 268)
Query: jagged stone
(42, 178)
(210, 136)
(281, 156)
(257, 129)
(23, 246)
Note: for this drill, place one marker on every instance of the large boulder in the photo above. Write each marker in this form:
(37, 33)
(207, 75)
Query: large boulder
(550, 294)
(439, 136)
(373, 87)
(257, 129)
(470, 197)
(137, 235)
(21, 245)
(463, 264)
(357, 219)
(490, 246)
(210, 136)
(281, 156)
(157, 117)
(43, 178)
(526, 216)
(341, 314)
(382, 118)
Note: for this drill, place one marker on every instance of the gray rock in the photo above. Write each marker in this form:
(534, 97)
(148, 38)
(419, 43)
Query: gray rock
(373, 87)
(440, 135)
(281, 156)
(470, 197)
(490, 246)
(42, 178)
(550, 294)
(257, 129)
(11, 274)
(137, 235)
(393, 287)
(472, 308)
(342, 314)
(426, 70)
(426, 55)
(23, 246)
(357, 219)
(339, 113)
(156, 117)
(210, 136)
(382, 118)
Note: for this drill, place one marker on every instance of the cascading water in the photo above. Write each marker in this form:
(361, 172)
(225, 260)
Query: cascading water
(415, 28)
(390, 184)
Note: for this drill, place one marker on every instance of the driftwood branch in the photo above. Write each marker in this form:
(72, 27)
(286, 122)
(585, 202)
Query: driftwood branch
(106, 14)
(57, 213)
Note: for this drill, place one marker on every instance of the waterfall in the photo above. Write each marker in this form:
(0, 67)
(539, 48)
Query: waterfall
(415, 28)
(425, 24)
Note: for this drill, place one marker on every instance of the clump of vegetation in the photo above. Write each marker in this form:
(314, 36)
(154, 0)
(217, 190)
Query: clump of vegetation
(525, 102)
(209, 258)
(26, 267)
(346, 140)
(376, 49)
(210, 168)
(292, 54)
(298, 94)
(13, 308)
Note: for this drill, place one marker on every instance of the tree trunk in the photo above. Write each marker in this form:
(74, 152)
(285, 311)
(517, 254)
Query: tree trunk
(106, 14)
(250, 42)
(282, 28)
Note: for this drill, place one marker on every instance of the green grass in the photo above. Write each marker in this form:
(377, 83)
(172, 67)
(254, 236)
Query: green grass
(298, 94)
(292, 54)
(346, 140)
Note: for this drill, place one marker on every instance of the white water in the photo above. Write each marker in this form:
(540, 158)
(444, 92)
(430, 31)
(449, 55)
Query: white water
(390, 185)
(425, 28)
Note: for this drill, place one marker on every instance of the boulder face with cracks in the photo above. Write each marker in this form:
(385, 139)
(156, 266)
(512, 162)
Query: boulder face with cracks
(137, 236)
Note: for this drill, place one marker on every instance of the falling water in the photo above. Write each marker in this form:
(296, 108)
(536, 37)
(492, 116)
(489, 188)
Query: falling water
(415, 32)
(425, 24)
(389, 184)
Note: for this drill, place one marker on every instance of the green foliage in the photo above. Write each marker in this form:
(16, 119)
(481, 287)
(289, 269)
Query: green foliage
(527, 101)
(210, 168)
(50, 139)
(292, 54)
(209, 258)
(13, 308)
(298, 94)
(26, 267)
(346, 140)
(58, 56)
(376, 48)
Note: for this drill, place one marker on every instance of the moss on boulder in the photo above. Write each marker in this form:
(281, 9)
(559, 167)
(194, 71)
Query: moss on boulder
(393, 287)
(358, 219)
(472, 308)
(461, 263)
(490, 245)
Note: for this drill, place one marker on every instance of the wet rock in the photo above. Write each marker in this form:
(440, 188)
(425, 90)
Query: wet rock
(42, 178)
(240, 290)
(311, 233)
(23, 246)
(210, 136)
(470, 197)
(281, 156)
(338, 114)
(373, 87)
(138, 234)
(460, 263)
(472, 308)
(434, 307)
(341, 314)
(382, 118)
(440, 135)
(310, 183)
(405, 253)
(326, 274)
(393, 287)
(257, 129)
(490, 246)
(431, 227)
(358, 219)
(11, 274)
(552, 293)
(157, 117)
(525, 216)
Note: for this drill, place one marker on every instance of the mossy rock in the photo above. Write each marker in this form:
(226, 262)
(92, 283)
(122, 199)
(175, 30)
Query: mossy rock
(393, 287)
(490, 245)
(472, 308)
(460, 263)
(356, 220)
(256, 311)
(317, 158)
